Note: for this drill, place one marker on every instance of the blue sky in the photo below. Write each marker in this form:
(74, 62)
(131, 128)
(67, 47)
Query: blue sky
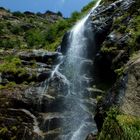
(65, 6)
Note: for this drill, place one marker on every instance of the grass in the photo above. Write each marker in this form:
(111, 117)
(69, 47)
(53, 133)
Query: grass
(118, 126)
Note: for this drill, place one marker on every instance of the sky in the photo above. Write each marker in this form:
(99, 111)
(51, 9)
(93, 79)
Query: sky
(64, 6)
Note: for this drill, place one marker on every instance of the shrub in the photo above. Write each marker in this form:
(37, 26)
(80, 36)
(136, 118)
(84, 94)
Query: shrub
(89, 6)
(10, 43)
(18, 14)
(120, 127)
(12, 66)
(34, 37)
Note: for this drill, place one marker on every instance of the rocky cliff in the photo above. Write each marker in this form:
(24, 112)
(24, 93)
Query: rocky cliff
(113, 96)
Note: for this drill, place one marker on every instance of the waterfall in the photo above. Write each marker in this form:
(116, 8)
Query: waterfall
(65, 91)
(79, 122)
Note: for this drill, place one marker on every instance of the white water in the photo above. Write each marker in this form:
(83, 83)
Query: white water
(73, 73)
(78, 120)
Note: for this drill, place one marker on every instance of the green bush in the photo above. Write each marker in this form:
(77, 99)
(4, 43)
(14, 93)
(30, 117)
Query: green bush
(12, 66)
(34, 38)
(8, 43)
(17, 30)
(18, 14)
(89, 6)
(120, 127)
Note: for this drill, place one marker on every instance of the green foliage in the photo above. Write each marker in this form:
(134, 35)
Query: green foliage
(12, 66)
(108, 49)
(122, 29)
(120, 127)
(34, 38)
(18, 14)
(110, 130)
(29, 30)
(17, 30)
(3, 130)
(75, 16)
(59, 13)
(130, 126)
(99, 98)
(89, 6)
(120, 71)
(8, 43)
(134, 42)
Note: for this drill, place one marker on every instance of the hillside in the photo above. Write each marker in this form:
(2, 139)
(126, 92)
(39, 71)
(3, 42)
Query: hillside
(51, 77)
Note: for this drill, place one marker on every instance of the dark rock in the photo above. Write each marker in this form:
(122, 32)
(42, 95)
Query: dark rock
(40, 56)
(91, 137)
(11, 77)
(65, 43)
(43, 76)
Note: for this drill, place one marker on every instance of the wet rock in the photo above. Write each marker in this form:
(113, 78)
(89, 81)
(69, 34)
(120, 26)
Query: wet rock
(65, 43)
(43, 76)
(50, 121)
(14, 77)
(91, 137)
(39, 55)
(50, 135)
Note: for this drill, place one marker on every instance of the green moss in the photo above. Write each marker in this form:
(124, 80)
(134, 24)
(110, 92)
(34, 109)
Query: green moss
(99, 98)
(12, 66)
(13, 138)
(120, 71)
(110, 130)
(130, 126)
(34, 38)
(120, 127)
(14, 128)
(3, 130)
(106, 49)
(134, 42)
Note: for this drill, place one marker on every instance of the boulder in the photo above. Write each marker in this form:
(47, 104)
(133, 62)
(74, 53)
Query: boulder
(39, 55)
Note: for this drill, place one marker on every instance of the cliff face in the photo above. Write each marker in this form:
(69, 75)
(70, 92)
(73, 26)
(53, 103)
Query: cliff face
(116, 29)
(117, 32)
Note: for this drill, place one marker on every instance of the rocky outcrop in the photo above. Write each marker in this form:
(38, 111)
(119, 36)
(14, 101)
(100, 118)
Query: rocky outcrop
(40, 56)
(131, 98)
(114, 67)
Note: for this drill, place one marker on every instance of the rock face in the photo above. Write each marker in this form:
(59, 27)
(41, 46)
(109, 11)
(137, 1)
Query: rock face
(131, 100)
(115, 56)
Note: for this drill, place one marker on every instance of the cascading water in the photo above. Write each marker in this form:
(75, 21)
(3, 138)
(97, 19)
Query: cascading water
(70, 80)
(79, 121)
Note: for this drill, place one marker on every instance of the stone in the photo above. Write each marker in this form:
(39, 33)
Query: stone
(131, 100)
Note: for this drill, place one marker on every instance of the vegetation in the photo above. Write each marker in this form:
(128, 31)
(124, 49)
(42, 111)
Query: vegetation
(118, 126)
(12, 66)
(29, 30)
(16, 72)
(134, 42)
